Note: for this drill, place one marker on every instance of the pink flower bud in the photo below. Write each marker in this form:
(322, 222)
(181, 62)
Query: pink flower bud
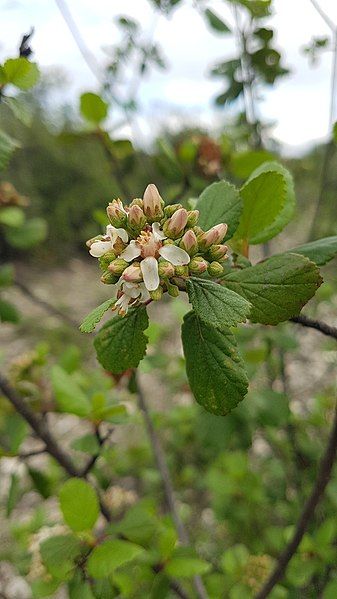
(175, 225)
(136, 217)
(218, 252)
(152, 203)
(198, 265)
(133, 274)
(215, 235)
(116, 213)
(189, 242)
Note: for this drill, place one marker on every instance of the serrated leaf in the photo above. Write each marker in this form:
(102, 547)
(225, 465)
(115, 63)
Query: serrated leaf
(216, 304)
(121, 343)
(110, 555)
(79, 504)
(220, 203)
(287, 212)
(58, 554)
(263, 199)
(33, 231)
(68, 394)
(90, 321)
(277, 288)
(214, 368)
(20, 72)
(7, 147)
(215, 22)
(93, 108)
(320, 251)
(12, 216)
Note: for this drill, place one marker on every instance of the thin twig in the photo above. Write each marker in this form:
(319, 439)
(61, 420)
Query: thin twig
(320, 326)
(166, 480)
(324, 16)
(44, 304)
(322, 479)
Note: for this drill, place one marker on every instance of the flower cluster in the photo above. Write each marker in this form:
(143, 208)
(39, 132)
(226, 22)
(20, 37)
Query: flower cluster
(150, 248)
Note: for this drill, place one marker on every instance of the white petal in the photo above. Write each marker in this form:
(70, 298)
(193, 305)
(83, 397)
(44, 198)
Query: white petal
(131, 290)
(114, 233)
(149, 268)
(145, 296)
(157, 232)
(177, 256)
(98, 248)
(130, 252)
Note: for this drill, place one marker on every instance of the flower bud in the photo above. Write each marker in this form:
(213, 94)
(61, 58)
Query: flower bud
(133, 274)
(192, 218)
(215, 269)
(116, 213)
(171, 209)
(189, 242)
(93, 239)
(137, 202)
(175, 225)
(198, 265)
(172, 290)
(215, 235)
(218, 252)
(118, 266)
(157, 294)
(136, 218)
(182, 271)
(153, 203)
(105, 260)
(165, 269)
(109, 278)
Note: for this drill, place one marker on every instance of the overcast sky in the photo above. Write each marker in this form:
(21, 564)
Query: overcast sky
(298, 104)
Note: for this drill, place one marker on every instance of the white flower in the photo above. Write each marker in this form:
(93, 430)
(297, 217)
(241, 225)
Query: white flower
(132, 293)
(101, 246)
(149, 246)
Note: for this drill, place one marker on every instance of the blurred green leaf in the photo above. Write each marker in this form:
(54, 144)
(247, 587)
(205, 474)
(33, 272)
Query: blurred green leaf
(244, 163)
(33, 231)
(93, 108)
(215, 22)
(14, 494)
(6, 275)
(58, 554)
(186, 567)
(320, 251)
(79, 504)
(68, 394)
(20, 110)
(8, 312)
(20, 72)
(12, 216)
(7, 147)
(108, 556)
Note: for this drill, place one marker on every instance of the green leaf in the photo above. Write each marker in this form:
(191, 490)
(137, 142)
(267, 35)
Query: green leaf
(215, 22)
(20, 110)
(8, 312)
(90, 321)
(320, 251)
(14, 494)
(12, 216)
(214, 368)
(277, 288)
(244, 163)
(68, 394)
(121, 343)
(88, 444)
(79, 504)
(93, 108)
(220, 203)
(7, 147)
(263, 199)
(287, 212)
(6, 275)
(34, 231)
(215, 307)
(20, 72)
(186, 567)
(110, 555)
(58, 554)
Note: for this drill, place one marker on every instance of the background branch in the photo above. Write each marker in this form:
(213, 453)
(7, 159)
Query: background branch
(320, 326)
